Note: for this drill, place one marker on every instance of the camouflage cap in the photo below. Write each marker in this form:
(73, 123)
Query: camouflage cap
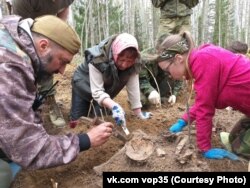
(57, 30)
(184, 45)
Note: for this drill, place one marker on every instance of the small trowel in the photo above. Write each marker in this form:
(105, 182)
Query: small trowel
(125, 129)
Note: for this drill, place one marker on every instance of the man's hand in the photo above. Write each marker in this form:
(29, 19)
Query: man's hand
(172, 99)
(178, 126)
(118, 114)
(154, 97)
(217, 153)
(98, 135)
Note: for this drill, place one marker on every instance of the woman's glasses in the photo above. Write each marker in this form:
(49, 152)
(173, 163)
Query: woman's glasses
(167, 68)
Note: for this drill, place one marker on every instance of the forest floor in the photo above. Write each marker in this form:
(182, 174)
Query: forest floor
(169, 154)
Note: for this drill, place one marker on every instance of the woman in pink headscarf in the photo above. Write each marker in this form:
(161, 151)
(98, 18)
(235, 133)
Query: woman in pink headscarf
(108, 68)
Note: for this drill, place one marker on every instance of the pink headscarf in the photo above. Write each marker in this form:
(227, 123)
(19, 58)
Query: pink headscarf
(121, 42)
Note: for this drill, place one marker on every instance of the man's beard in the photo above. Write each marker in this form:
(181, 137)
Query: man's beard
(43, 74)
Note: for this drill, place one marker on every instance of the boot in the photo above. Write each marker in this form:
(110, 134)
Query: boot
(55, 113)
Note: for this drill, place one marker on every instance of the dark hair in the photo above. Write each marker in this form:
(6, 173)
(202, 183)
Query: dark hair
(133, 53)
(238, 47)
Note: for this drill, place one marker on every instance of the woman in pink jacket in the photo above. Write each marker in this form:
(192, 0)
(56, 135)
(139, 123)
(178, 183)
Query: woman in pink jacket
(221, 79)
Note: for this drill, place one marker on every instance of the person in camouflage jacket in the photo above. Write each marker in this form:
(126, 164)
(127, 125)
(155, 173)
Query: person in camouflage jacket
(30, 51)
(175, 18)
(175, 15)
(33, 9)
(152, 75)
(169, 88)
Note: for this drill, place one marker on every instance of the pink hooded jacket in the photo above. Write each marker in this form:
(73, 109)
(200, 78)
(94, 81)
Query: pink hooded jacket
(222, 79)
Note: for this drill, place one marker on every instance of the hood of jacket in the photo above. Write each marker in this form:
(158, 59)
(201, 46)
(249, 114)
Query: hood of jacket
(19, 31)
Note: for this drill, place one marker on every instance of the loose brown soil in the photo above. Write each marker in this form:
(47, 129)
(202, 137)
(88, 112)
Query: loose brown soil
(85, 171)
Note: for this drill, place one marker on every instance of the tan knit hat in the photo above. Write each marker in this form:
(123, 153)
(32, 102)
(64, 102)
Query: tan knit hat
(57, 30)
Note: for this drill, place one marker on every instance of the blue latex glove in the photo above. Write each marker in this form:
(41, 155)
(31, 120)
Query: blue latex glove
(15, 168)
(178, 126)
(217, 153)
(144, 115)
(118, 114)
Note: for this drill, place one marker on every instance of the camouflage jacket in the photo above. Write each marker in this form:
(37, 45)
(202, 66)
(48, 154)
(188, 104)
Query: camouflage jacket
(146, 79)
(22, 137)
(239, 137)
(175, 8)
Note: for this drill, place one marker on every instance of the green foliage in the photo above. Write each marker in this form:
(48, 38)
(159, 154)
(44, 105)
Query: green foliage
(97, 20)
(216, 37)
(78, 9)
(224, 22)
(93, 22)
(138, 30)
(200, 29)
(221, 23)
(115, 17)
